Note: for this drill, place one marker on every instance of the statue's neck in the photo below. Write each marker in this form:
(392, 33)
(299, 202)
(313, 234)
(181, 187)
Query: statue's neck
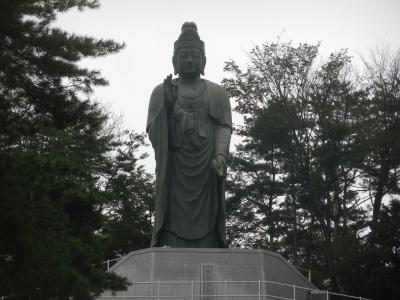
(190, 81)
(190, 87)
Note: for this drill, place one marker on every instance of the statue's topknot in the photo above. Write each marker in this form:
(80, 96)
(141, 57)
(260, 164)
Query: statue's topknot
(189, 37)
(189, 26)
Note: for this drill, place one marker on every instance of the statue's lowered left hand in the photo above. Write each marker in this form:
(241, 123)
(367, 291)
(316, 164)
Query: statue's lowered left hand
(218, 164)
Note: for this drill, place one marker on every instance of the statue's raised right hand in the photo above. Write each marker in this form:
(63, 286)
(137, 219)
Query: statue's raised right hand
(170, 92)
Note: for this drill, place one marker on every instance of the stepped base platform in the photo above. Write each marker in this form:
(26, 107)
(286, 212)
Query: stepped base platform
(209, 274)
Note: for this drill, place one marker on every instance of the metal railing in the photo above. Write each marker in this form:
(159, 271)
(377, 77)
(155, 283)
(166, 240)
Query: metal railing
(232, 290)
(109, 263)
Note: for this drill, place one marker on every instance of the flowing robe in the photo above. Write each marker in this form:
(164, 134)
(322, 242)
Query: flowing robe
(190, 197)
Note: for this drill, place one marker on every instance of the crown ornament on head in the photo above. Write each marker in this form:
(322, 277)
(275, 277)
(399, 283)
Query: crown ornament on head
(189, 37)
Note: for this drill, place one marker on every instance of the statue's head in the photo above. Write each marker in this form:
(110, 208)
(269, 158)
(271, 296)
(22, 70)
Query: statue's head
(189, 58)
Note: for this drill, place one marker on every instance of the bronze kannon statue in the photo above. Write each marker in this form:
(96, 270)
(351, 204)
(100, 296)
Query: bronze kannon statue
(189, 125)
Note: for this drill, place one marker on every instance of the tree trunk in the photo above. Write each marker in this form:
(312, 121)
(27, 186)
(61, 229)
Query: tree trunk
(380, 192)
(294, 215)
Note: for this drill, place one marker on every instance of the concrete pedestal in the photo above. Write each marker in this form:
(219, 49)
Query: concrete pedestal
(189, 273)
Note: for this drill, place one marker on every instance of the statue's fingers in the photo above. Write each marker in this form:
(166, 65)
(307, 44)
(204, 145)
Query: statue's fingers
(215, 165)
(165, 88)
(167, 81)
(174, 90)
(169, 78)
(220, 169)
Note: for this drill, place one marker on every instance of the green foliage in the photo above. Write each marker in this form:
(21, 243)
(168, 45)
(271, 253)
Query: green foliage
(297, 182)
(382, 121)
(382, 260)
(61, 163)
(128, 226)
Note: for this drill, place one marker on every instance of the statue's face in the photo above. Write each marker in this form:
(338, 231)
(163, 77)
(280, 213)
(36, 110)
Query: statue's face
(189, 62)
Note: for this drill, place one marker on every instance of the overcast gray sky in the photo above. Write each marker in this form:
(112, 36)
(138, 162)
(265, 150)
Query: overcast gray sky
(229, 29)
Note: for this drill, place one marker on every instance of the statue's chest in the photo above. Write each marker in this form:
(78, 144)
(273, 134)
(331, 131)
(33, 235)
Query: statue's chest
(190, 101)
(191, 115)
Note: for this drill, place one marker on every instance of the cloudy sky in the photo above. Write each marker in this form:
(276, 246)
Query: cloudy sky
(229, 28)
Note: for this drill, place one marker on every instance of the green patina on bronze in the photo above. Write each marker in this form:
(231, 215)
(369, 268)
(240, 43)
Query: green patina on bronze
(189, 125)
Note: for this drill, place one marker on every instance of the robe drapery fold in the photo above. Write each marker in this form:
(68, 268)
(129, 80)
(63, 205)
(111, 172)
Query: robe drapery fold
(188, 190)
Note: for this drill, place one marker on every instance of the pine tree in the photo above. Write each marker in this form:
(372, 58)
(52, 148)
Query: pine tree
(54, 147)
(300, 134)
(129, 213)
(382, 129)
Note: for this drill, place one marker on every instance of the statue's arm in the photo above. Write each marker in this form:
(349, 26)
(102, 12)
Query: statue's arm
(154, 114)
(161, 108)
(223, 133)
(170, 95)
(224, 129)
(223, 139)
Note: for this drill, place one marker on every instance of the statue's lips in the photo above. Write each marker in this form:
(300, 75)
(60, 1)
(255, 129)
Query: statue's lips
(189, 67)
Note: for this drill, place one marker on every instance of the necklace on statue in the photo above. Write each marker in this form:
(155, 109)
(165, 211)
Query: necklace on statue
(192, 96)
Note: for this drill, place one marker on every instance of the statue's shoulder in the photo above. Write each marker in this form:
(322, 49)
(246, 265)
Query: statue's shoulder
(216, 91)
(219, 106)
(157, 91)
(214, 87)
(155, 104)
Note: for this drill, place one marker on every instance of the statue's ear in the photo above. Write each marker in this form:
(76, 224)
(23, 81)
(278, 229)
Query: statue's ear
(175, 65)
(203, 65)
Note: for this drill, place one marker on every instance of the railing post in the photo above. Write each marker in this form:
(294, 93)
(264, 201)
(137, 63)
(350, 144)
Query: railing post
(327, 295)
(108, 264)
(158, 289)
(192, 290)
(259, 290)
(294, 292)
(225, 289)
